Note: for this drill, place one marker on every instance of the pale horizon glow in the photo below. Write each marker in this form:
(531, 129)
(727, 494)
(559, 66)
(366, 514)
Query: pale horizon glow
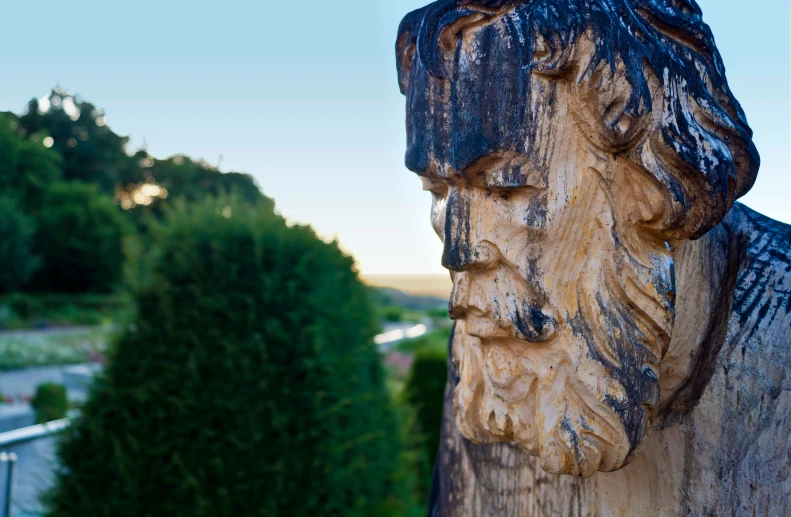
(306, 100)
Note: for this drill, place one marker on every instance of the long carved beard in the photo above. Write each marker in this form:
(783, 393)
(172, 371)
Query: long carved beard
(583, 401)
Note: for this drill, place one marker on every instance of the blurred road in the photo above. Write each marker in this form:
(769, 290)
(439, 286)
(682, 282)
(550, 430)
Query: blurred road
(23, 383)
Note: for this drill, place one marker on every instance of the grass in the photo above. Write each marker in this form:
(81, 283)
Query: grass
(52, 348)
(35, 311)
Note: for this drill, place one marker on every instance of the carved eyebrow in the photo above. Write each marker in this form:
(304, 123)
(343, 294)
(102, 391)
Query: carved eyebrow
(507, 179)
(506, 170)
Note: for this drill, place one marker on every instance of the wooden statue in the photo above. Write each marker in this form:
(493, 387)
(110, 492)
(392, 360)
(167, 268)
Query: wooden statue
(623, 327)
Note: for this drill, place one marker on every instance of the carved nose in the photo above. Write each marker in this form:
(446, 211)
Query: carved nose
(464, 246)
(459, 256)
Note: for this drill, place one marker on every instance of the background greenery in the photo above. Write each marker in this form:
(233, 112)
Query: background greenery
(246, 386)
(50, 402)
(74, 195)
(17, 260)
(242, 377)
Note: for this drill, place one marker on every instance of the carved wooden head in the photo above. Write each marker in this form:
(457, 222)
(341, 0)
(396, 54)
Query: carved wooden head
(565, 144)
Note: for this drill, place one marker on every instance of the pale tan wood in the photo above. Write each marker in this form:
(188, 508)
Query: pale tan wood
(727, 454)
(622, 333)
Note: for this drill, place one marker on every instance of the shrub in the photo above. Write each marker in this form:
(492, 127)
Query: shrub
(80, 237)
(425, 392)
(50, 402)
(248, 384)
(17, 260)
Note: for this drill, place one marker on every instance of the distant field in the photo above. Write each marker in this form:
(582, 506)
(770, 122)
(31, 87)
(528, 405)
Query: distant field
(419, 285)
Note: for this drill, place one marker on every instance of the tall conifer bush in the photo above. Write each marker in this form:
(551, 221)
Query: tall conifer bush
(247, 386)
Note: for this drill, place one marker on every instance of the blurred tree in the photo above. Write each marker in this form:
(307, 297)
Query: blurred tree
(80, 238)
(248, 384)
(17, 260)
(91, 151)
(27, 166)
(149, 188)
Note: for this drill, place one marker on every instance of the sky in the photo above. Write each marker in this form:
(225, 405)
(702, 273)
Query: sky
(305, 99)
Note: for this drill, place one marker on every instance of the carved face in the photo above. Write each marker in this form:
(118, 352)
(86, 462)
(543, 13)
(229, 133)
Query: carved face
(562, 314)
(565, 143)
(560, 329)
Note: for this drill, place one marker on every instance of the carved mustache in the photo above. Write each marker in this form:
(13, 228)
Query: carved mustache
(514, 309)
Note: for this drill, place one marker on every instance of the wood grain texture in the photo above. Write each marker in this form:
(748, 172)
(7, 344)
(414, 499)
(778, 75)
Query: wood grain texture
(622, 325)
(730, 454)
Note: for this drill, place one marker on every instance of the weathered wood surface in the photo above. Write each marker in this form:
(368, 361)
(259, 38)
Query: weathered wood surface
(730, 455)
(622, 334)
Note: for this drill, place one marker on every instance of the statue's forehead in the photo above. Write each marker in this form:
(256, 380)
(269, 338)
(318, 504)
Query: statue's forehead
(485, 103)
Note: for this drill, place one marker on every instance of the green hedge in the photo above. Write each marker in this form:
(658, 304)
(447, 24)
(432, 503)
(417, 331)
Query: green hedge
(425, 392)
(247, 386)
(50, 402)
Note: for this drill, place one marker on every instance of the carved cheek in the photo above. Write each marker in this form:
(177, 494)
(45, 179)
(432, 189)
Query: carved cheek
(508, 221)
(525, 229)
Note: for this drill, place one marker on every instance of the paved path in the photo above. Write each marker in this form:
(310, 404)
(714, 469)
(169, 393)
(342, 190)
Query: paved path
(23, 383)
(36, 465)
(393, 333)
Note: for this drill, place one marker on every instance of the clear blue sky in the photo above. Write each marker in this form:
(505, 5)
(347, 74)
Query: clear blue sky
(303, 95)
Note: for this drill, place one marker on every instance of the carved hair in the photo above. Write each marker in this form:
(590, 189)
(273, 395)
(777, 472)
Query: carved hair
(662, 97)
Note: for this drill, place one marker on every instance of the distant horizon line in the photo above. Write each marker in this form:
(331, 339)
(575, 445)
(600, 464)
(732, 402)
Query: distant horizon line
(421, 284)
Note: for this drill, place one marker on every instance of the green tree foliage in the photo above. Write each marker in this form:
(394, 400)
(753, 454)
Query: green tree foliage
(80, 238)
(50, 402)
(27, 167)
(193, 180)
(87, 150)
(91, 151)
(247, 386)
(17, 260)
(425, 391)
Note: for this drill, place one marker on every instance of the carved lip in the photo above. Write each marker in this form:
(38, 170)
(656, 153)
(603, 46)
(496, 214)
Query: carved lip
(483, 327)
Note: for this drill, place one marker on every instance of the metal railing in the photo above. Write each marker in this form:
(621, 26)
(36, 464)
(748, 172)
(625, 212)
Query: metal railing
(9, 458)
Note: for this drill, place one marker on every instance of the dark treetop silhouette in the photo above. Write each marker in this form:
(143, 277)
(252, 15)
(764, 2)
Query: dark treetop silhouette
(616, 311)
